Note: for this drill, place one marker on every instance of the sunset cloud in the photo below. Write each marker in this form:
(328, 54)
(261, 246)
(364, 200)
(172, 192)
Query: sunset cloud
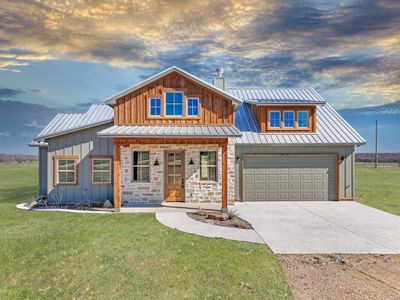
(331, 45)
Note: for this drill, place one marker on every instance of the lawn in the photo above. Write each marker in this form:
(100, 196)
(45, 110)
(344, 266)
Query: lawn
(379, 188)
(61, 255)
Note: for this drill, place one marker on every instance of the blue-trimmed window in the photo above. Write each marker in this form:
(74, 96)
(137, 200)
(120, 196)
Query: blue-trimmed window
(155, 107)
(302, 119)
(193, 107)
(173, 103)
(288, 119)
(274, 119)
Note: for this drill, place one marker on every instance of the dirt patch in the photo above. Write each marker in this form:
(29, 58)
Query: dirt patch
(235, 222)
(342, 276)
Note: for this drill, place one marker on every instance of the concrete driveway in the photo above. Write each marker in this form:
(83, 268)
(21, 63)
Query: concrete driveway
(323, 227)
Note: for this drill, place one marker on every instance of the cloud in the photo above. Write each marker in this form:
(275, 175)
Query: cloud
(10, 93)
(5, 133)
(351, 44)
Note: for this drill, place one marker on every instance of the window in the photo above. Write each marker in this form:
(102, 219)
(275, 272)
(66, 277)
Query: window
(65, 170)
(193, 107)
(208, 166)
(155, 107)
(101, 170)
(173, 103)
(302, 119)
(141, 166)
(274, 119)
(288, 119)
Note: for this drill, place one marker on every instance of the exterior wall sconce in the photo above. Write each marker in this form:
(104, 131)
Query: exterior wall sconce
(191, 162)
(156, 163)
(237, 157)
(342, 158)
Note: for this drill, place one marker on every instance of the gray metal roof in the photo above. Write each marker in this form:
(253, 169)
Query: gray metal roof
(64, 123)
(277, 96)
(112, 100)
(332, 129)
(200, 131)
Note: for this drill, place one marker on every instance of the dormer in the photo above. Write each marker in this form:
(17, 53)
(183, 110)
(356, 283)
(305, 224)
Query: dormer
(282, 110)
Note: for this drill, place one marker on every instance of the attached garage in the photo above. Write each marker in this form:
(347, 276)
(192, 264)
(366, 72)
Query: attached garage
(274, 177)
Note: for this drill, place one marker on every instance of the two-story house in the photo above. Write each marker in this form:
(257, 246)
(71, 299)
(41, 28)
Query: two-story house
(174, 137)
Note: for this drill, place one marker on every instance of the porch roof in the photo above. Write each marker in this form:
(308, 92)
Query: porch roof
(152, 131)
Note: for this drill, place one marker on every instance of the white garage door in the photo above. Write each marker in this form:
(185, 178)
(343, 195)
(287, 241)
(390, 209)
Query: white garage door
(289, 178)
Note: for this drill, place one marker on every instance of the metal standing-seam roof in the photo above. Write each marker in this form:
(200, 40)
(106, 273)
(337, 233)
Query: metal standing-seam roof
(277, 96)
(332, 129)
(64, 123)
(169, 131)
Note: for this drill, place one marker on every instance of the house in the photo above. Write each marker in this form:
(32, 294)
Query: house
(174, 137)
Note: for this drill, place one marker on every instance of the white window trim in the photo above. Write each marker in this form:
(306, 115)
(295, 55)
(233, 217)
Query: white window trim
(57, 170)
(165, 104)
(216, 167)
(101, 171)
(308, 119)
(280, 118)
(133, 165)
(294, 118)
(187, 106)
(149, 105)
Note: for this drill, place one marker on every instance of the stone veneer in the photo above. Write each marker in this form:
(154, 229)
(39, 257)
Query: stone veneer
(196, 191)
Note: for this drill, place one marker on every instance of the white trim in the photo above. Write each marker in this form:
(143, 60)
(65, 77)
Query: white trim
(308, 119)
(187, 106)
(149, 106)
(101, 171)
(269, 118)
(165, 103)
(216, 167)
(294, 119)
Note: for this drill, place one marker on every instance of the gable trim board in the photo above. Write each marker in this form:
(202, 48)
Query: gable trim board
(93, 134)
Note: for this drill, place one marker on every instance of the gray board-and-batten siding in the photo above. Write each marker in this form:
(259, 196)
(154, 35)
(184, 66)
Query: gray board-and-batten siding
(83, 143)
(346, 166)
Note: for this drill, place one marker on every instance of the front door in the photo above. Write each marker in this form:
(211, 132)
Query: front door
(174, 176)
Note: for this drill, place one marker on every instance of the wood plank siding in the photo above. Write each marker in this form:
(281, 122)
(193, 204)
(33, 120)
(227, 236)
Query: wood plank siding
(214, 109)
(261, 114)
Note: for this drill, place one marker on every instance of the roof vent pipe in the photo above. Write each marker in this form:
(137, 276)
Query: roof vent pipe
(219, 80)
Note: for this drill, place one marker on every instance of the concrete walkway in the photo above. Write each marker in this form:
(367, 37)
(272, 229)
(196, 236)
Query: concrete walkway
(323, 227)
(180, 221)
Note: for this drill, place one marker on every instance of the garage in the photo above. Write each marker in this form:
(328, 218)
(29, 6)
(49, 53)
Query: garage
(289, 177)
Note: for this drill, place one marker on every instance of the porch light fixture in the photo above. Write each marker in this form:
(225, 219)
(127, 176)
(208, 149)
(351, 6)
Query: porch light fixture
(156, 163)
(342, 158)
(191, 162)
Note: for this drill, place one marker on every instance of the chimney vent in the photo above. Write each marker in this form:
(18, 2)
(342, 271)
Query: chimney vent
(219, 80)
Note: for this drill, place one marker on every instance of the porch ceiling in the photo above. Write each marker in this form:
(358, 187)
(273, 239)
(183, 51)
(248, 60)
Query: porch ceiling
(159, 131)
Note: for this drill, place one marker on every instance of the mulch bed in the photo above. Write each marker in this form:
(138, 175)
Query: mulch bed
(235, 222)
(342, 276)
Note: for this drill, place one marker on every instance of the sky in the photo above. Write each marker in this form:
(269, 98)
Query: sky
(68, 54)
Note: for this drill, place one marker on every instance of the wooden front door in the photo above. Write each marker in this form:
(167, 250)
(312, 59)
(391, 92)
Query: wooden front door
(174, 176)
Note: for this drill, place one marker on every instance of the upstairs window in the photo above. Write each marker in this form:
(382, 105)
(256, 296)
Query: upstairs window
(155, 107)
(193, 107)
(274, 119)
(288, 119)
(302, 119)
(173, 103)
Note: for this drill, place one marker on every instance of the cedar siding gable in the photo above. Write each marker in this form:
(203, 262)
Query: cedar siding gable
(214, 109)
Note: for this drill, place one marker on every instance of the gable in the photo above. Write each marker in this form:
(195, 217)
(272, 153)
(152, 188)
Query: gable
(133, 108)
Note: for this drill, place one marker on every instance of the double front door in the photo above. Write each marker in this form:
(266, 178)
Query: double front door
(174, 176)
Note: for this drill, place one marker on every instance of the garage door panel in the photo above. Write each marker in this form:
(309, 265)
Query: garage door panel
(289, 178)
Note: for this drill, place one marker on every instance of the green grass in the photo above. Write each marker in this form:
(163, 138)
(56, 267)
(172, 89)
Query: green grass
(61, 255)
(379, 188)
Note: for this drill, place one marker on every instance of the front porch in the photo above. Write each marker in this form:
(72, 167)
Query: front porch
(172, 172)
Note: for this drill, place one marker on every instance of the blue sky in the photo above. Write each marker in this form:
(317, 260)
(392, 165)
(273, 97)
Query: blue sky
(65, 55)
